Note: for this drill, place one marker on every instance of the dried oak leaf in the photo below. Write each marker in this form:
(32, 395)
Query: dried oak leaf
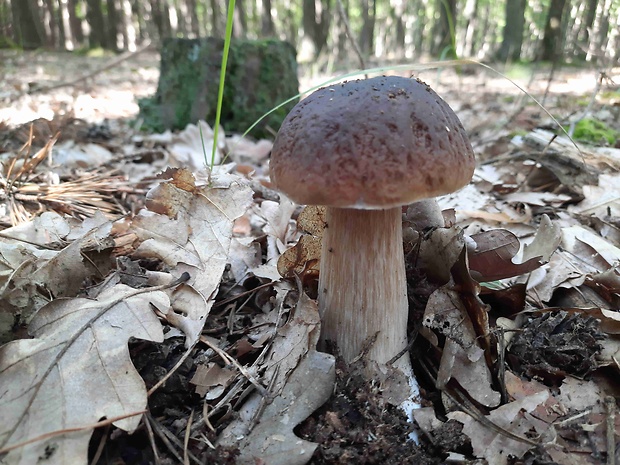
(74, 372)
(189, 228)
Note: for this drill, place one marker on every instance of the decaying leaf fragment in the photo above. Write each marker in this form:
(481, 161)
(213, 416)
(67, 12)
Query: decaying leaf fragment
(301, 380)
(47, 382)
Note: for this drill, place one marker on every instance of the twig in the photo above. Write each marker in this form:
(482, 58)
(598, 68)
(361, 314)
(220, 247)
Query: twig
(231, 361)
(610, 404)
(60, 432)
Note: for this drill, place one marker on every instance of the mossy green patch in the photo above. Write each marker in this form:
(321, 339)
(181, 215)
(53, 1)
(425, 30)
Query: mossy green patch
(260, 75)
(595, 132)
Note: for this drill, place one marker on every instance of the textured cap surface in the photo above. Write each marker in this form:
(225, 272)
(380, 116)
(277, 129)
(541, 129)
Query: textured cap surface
(374, 143)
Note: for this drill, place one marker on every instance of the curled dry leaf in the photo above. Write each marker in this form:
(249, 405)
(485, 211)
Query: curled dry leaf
(188, 146)
(74, 372)
(495, 250)
(304, 258)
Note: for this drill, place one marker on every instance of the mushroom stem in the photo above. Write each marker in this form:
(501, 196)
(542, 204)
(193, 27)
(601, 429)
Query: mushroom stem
(362, 284)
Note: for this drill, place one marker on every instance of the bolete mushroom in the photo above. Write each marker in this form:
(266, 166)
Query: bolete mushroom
(364, 149)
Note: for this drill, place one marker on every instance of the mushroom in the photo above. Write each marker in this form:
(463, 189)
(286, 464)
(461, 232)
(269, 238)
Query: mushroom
(364, 149)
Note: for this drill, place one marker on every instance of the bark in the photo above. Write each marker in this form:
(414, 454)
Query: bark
(513, 31)
(552, 38)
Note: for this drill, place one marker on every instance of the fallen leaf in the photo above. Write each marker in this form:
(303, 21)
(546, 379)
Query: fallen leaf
(74, 372)
(494, 446)
(302, 379)
(189, 227)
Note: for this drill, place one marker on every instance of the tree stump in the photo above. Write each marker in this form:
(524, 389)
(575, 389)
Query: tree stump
(260, 75)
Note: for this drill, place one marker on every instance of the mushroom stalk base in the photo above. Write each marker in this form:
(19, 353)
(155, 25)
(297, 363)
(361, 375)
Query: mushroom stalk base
(362, 284)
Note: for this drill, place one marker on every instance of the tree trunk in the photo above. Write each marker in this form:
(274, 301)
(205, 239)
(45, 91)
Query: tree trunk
(513, 31)
(52, 22)
(584, 36)
(26, 32)
(216, 12)
(94, 16)
(75, 24)
(419, 28)
(443, 35)
(397, 12)
(240, 20)
(62, 32)
(316, 18)
(553, 31)
(194, 24)
(469, 41)
(112, 29)
(267, 28)
(369, 12)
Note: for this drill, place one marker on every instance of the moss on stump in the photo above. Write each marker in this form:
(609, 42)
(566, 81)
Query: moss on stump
(260, 75)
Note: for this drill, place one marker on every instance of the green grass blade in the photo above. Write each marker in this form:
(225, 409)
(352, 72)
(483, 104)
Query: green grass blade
(220, 92)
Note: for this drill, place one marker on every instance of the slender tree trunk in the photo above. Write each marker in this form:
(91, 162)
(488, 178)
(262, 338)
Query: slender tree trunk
(267, 27)
(60, 18)
(600, 31)
(585, 30)
(194, 24)
(26, 32)
(240, 20)
(112, 23)
(75, 24)
(419, 29)
(443, 35)
(399, 25)
(316, 20)
(369, 12)
(216, 12)
(513, 31)
(553, 31)
(471, 11)
(52, 22)
(94, 16)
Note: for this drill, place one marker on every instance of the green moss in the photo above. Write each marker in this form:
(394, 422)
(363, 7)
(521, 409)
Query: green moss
(260, 75)
(595, 132)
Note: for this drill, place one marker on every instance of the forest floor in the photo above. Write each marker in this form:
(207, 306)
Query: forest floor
(522, 368)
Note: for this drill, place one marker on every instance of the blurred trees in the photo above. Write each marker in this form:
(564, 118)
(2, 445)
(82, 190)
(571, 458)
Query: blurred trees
(384, 29)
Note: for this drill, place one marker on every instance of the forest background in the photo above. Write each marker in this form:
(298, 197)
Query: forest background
(535, 30)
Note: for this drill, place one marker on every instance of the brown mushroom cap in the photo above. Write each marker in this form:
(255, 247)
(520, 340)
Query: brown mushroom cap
(374, 143)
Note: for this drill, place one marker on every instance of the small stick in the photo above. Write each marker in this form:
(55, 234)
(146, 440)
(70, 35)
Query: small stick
(610, 404)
